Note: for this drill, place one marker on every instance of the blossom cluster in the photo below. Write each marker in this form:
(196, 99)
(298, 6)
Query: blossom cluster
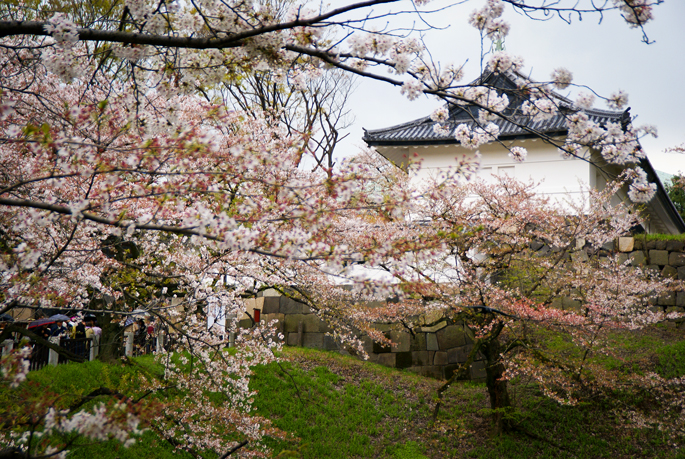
(640, 190)
(502, 62)
(15, 366)
(562, 78)
(635, 12)
(488, 19)
(473, 138)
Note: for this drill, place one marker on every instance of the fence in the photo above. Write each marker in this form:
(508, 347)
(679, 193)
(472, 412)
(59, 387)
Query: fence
(42, 355)
(146, 345)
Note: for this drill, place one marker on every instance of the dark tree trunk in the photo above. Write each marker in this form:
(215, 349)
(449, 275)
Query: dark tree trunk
(497, 387)
(111, 339)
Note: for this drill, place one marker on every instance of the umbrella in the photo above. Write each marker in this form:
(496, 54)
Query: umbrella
(39, 322)
(59, 317)
(6, 318)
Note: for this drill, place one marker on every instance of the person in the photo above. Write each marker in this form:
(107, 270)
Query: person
(140, 336)
(96, 334)
(58, 329)
(80, 330)
(79, 338)
(91, 322)
(150, 338)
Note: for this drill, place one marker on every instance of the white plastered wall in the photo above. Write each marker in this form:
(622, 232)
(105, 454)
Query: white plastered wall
(558, 178)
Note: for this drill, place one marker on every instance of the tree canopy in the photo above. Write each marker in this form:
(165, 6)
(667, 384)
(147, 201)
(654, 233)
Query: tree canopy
(126, 175)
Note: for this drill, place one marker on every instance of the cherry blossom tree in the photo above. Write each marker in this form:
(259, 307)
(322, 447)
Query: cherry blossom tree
(103, 198)
(515, 270)
(118, 180)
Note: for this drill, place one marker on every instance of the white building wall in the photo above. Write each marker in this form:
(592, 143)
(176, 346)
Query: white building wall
(558, 178)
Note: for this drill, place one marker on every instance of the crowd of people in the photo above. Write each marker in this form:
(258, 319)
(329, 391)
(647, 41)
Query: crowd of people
(73, 328)
(82, 336)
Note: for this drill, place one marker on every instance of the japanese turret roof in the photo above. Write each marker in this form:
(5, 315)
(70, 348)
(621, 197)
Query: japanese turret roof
(517, 125)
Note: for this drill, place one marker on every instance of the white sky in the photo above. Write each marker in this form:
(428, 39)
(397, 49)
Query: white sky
(606, 57)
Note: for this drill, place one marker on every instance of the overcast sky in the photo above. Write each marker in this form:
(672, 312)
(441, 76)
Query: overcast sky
(606, 57)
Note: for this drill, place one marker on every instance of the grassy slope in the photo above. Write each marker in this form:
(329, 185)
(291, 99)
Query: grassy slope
(338, 407)
(348, 408)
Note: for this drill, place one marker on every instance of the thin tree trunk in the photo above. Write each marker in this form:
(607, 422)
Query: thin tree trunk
(497, 387)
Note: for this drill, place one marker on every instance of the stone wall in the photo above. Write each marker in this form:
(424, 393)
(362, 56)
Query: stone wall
(664, 257)
(435, 349)
(438, 345)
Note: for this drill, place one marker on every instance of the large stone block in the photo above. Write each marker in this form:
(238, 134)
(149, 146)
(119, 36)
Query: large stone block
(387, 360)
(681, 273)
(292, 321)
(289, 306)
(626, 244)
(544, 250)
(403, 360)
(478, 371)
(658, 257)
(451, 336)
(419, 358)
(667, 299)
(418, 342)
(310, 323)
(367, 344)
(270, 304)
(680, 299)
(432, 342)
(459, 354)
(329, 343)
(676, 259)
(638, 258)
(269, 292)
(660, 245)
(669, 271)
(675, 246)
(250, 305)
(652, 269)
(579, 256)
(379, 348)
(568, 304)
(556, 303)
(401, 340)
(431, 317)
(440, 358)
(293, 339)
(536, 245)
(280, 326)
(313, 340)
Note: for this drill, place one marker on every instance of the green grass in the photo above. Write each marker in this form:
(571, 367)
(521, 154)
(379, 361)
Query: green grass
(661, 237)
(671, 363)
(333, 416)
(334, 406)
